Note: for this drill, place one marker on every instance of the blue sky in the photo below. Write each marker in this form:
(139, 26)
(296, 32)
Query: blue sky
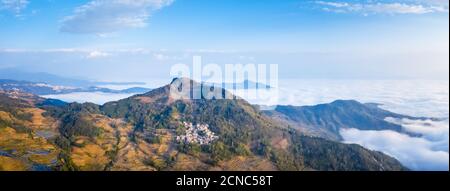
(307, 38)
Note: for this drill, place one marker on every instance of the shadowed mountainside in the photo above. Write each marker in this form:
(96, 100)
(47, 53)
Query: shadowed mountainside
(326, 120)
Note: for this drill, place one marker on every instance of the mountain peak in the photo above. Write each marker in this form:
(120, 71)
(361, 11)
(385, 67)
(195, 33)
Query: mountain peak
(184, 81)
(181, 79)
(346, 102)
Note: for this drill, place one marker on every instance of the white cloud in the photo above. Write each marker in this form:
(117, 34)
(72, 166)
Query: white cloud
(160, 57)
(428, 151)
(170, 56)
(107, 16)
(374, 7)
(97, 54)
(417, 153)
(434, 131)
(16, 6)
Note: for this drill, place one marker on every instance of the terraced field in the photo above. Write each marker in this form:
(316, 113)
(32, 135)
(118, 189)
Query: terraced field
(25, 151)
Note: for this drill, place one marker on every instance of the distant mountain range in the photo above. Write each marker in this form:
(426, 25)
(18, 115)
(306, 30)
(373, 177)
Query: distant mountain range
(142, 133)
(42, 77)
(246, 84)
(50, 84)
(47, 89)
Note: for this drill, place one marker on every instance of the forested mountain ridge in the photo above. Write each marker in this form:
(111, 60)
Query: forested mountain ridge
(326, 120)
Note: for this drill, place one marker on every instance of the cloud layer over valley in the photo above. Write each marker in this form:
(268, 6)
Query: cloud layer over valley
(427, 152)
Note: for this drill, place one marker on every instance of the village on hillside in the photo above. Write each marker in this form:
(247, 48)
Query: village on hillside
(199, 134)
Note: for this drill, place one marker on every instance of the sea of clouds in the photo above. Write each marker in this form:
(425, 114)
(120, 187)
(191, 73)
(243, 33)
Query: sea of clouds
(420, 98)
(417, 98)
(427, 152)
